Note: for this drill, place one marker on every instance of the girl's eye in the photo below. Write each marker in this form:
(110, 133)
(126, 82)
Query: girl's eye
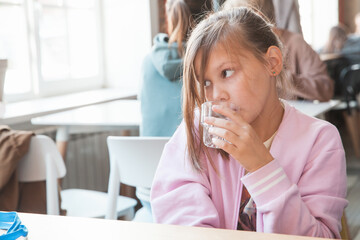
(227, 73)
(207, 83)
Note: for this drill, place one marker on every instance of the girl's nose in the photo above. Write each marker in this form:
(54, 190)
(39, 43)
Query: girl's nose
(220, 94)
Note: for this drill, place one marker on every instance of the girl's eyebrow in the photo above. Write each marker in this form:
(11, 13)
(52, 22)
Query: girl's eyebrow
(217, 68)
(221, 66)
(224, 63)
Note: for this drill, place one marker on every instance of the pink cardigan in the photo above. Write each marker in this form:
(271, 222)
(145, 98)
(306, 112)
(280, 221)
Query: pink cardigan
(301, 192)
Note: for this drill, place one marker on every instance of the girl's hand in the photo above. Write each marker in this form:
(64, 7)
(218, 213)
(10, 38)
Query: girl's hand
(245, 146)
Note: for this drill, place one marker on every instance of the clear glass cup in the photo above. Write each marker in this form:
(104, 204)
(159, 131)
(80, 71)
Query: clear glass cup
(206, 111)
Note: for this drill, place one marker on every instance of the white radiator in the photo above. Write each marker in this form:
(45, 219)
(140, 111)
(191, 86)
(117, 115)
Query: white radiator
(87, 160)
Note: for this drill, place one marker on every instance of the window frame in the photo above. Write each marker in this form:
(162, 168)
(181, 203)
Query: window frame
(39, 87)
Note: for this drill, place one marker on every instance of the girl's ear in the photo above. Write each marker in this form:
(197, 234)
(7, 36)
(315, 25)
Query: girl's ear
(275, 60)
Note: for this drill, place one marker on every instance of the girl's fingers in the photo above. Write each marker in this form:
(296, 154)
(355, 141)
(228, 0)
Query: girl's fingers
(231, 126)
(222, 123)
(224, 145)
(233, 146)
(249, 153)
(235, 138)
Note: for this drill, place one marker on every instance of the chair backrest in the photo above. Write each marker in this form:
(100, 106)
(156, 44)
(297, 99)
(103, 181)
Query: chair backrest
(135, 158)
(43, 162)
(334, 68)
(350, 78)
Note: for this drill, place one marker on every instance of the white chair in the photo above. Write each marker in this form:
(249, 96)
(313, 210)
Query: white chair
(44, 162)
(133, 161)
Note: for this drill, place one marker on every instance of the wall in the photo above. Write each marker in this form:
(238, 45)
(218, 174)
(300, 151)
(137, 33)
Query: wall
(161, 16)
(127, 39)
(348, 11)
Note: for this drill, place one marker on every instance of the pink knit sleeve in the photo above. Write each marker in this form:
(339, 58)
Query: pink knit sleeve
(313, 206)
(179, 194)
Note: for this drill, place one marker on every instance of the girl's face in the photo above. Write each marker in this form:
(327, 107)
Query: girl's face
(242, 80)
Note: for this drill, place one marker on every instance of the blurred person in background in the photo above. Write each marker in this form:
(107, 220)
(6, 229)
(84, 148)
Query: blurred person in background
(336, 41)
(162, 69)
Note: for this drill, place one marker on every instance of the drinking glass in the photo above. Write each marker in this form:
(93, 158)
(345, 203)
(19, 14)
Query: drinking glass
(206, 111)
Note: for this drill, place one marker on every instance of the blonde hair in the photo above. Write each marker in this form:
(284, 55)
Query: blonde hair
(180, 20)
(181, 16)
(236, 29)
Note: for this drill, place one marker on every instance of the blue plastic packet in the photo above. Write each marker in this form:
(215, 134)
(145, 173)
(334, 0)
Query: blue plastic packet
(12, 228)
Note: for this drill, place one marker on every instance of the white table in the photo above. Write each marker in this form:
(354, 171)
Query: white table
(314, 109)
(43, 227)
(120, 114)
(20, 112)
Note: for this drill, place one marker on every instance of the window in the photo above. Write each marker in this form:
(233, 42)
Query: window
(317, 17)
(127, 30)
(52, 46)
(14, 46)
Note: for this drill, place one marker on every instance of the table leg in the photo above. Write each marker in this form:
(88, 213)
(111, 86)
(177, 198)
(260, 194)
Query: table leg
(125, 132)
(62, 137)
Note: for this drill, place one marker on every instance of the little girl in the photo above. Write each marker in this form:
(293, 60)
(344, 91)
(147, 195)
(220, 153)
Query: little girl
(277, 170)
